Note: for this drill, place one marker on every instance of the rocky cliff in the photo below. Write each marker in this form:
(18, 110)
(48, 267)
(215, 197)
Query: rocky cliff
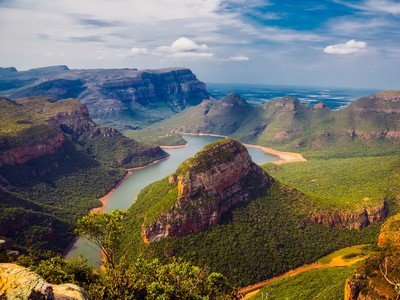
(350, 219)
(40, 126)
(128, 96)
(210, 184)
(368, 281)
(17, 282)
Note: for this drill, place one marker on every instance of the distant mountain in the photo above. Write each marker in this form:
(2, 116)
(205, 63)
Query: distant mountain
(288, 124)
(54, 164)
(126, 98)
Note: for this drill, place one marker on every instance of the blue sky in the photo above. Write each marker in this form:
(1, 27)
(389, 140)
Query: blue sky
(314, 43)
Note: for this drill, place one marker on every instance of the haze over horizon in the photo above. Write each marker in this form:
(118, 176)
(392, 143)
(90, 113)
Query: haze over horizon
(307, 43)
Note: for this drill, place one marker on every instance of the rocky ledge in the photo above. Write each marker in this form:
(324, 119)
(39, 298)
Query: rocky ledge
(351, 220)
(17, 282)
(210, 184)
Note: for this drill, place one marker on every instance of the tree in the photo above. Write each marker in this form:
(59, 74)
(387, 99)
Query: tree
(104, 230)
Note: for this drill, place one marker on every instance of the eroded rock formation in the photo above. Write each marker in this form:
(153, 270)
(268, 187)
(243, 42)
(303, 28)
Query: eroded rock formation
(351, 220)
(218, 178)
(17, 282)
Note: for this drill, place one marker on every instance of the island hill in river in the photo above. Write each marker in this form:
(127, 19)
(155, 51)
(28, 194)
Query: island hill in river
(219, 207)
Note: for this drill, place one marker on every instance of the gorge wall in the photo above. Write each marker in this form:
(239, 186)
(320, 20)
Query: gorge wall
(124, 95)
(350, 219)
(218, 178)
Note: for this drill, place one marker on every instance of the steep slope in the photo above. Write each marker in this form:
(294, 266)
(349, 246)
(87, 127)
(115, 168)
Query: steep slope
(54, 164)
(368, 125)
(368, 280)
(218, 178)
(210, 212)
(122, 97)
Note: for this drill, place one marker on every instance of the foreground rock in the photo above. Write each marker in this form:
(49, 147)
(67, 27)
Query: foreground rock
(210, 184)
(17, 282)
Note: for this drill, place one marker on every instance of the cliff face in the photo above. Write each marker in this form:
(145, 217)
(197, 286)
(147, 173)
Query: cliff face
(41, 126)
(351, 220)
(17, 282)
(368, 281)
(129, 94)
(217, 179)
(21, 154)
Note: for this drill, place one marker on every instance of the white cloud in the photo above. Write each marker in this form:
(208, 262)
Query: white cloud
(382, 6)
(239, 58)
(185, 48)
(350, 47)
(138, 51)
(186, 45)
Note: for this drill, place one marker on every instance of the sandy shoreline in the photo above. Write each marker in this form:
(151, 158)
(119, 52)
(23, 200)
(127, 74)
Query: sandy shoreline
(283, 157)
(105, 198)
(173, 147)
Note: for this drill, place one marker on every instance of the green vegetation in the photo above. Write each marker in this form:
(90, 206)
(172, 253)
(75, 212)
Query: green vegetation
(139, 278)
(324, 284)
(258, 241)
(104, 231)
(42, 199)
(157, 198)
(344, 184)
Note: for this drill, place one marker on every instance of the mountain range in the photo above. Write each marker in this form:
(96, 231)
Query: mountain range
(123, 98)
(287, 124)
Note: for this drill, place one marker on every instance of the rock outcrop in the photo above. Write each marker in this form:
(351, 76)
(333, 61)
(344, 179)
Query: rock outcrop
(210, 184)
(368, 282)
(17, 282)
(351, 220)
(21, 154)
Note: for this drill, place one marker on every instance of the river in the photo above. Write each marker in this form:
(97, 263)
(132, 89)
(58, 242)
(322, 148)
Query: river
(124, 196)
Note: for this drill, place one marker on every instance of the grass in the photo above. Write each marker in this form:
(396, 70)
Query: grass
(343, 184)
(321, 284)
(346, 253)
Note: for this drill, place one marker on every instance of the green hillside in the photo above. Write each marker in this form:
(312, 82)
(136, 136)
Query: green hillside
(55, 164)
(343, 184)
(369, 126)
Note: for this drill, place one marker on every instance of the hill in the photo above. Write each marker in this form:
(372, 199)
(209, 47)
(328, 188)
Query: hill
(124, 98)
(266, 234)
(366, 127)
(54, 164)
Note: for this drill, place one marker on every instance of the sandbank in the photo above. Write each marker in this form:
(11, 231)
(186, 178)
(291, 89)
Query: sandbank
(283, 157)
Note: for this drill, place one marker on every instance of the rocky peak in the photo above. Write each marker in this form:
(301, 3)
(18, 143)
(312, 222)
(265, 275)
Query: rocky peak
(233, 99)
(211, 183)
(288, 103)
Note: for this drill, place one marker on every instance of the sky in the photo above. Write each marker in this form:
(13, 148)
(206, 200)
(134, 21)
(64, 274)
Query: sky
(331, 43)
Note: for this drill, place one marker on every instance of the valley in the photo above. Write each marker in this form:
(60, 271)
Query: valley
(210, 207)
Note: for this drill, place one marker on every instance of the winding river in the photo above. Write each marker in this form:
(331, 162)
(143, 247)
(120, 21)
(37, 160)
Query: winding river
(125, 194)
